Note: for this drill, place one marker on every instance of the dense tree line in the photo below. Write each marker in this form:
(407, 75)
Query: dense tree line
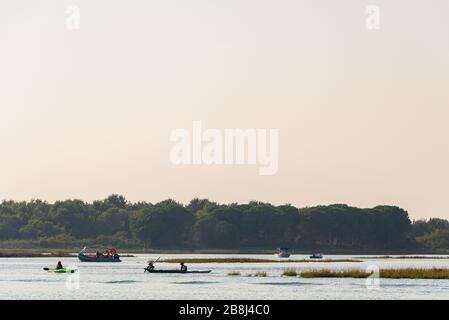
(209, 225)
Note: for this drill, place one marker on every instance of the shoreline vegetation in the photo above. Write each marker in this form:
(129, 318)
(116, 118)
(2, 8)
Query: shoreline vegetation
(386, 254)
(290, 272)
(72, 252)
(406, 273)
(42, 253)
(251, 260)
(38, 253)
(203, 225)
(403, 257)
(26, 253)
(52, 253)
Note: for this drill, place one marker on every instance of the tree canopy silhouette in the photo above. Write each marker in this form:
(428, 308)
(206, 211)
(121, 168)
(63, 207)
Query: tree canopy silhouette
(209, 225)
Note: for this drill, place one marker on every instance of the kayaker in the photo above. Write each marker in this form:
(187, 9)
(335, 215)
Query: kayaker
(183, 267)
(59, 266)
(150, 265)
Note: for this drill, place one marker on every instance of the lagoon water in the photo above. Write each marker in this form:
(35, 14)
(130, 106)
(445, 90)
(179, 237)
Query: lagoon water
(24, 278)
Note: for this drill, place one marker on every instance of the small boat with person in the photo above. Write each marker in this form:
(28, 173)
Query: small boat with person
(316, 256)
(60, 269)
(108, 256)
(183, 269)
(177, 271)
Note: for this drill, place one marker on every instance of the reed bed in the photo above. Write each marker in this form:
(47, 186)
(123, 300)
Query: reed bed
(290, 272)
(406, 273)
(326, 273)
(415, 273)
(233, 273)
(24, 253)
(250, 260)
(404, 257)
(35, 253)
(261, 274)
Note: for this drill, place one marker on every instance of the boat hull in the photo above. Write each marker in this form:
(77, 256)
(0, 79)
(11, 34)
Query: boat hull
(61, 270)
(282, 255)
(177, 271)
(85, 258)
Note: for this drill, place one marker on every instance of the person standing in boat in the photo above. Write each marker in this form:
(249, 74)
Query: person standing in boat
(183, 267)
(150, 265)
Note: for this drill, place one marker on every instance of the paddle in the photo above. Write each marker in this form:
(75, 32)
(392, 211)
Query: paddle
(46, 269)
(154, 260)
(146, 269)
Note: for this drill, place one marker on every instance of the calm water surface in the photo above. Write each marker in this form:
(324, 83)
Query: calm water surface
(23, 278)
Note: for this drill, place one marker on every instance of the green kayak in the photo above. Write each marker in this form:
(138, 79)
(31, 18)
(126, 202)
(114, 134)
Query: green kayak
(61, 270)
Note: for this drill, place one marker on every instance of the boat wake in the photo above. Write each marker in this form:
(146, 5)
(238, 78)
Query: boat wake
(29, 280)
(195, 282)
(122, 282)
(289, 284)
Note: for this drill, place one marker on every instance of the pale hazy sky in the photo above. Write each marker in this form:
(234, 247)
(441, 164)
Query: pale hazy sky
(362, 115)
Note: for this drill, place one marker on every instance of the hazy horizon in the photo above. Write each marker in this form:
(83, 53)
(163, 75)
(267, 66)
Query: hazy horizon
(362, 114)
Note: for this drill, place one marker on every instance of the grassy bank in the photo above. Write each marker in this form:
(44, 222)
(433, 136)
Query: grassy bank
(23, 253)
(403, 257)
(335, 274)
(137, 247)
(249, 260)
(407, 273)
(290, 273)
(35, 253)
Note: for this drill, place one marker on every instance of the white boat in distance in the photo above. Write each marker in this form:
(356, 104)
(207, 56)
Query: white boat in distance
(283, 252)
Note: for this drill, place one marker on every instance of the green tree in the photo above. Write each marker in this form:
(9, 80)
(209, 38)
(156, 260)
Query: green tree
(165, 224)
